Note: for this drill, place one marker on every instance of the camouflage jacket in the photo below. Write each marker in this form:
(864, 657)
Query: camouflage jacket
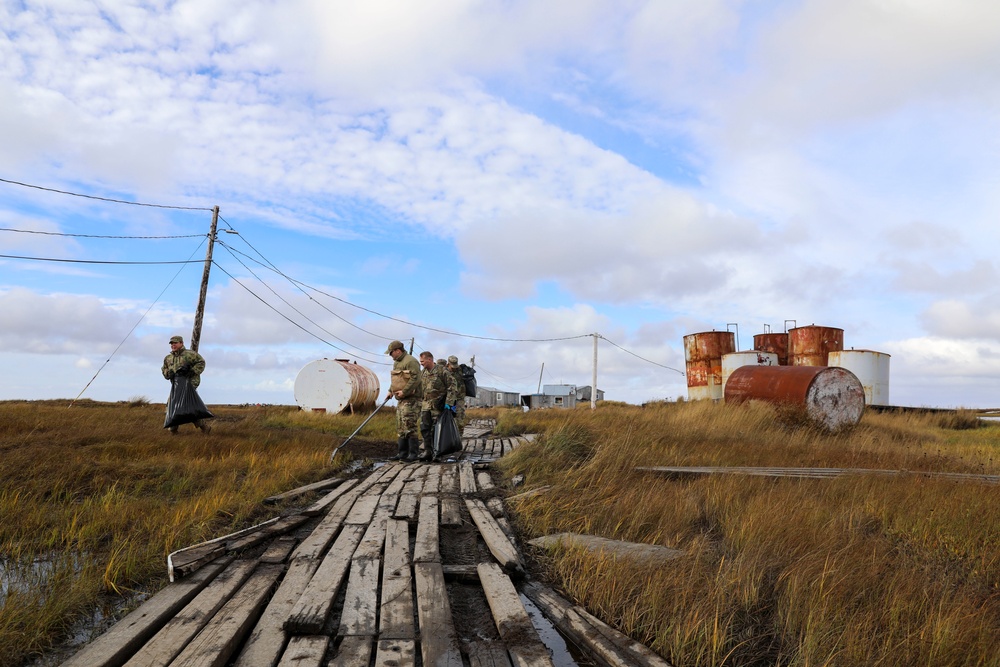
(181, 358)
(414, 388)
(437, 388)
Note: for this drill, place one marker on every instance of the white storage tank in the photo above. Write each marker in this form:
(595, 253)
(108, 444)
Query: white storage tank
(336, 385)
(734, 360)
(872, 369)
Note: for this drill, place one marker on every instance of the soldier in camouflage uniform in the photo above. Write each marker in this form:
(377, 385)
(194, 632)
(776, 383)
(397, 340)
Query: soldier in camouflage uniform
(188, 363)
(439, 393)
(406, 387)
(460, 401)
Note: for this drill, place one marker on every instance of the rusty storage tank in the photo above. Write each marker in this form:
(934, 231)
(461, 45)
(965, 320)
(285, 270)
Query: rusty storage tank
(734, 360)
(871, 367)
(811, 345)
(832, 397)
(773, 342)
(335, 385)
(703, 362)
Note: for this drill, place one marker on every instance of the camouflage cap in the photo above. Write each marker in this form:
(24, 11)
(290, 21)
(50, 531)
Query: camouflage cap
(453, 360)
(176, 339)
(395, 345)
(440, 362)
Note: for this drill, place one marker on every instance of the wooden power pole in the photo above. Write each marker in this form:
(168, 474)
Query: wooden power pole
(199, 313)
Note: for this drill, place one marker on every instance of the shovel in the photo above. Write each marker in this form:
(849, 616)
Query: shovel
(337, 448)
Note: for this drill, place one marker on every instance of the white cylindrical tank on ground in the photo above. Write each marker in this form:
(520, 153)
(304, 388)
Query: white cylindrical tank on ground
(734, 360)
(872, 369)
(335, 385)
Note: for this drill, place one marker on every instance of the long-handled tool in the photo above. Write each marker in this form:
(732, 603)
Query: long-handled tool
(337, 448)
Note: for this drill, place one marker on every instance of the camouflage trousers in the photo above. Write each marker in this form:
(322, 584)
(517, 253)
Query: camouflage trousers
(460, 415)
(407, 417)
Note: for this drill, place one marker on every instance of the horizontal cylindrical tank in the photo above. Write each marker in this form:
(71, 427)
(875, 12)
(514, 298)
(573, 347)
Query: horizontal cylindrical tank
(871, 368)
(773, 342)
(832, 397)
(703, 362)
(734, 360)
(334, 385)
(811, 345)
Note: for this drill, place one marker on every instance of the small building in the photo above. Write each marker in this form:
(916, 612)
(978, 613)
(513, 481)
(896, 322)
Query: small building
(583, 394)
(490, 397)
(552, 396)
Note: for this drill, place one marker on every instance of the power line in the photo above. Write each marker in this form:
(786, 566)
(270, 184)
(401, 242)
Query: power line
(95, 261)
(648, 361)
(96, 236)
(107, 199)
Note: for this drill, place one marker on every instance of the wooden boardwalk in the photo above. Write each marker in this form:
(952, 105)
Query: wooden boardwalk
(365, 577)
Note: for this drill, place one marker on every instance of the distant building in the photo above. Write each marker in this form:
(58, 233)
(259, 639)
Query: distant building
(559, 396)
(489, 397)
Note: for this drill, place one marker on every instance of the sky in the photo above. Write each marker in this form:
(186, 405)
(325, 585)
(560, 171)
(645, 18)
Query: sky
(497, 180)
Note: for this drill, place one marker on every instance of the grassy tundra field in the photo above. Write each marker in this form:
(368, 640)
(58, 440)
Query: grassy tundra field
(865, 570)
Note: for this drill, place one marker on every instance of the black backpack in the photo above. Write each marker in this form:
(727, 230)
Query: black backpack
(469, 377)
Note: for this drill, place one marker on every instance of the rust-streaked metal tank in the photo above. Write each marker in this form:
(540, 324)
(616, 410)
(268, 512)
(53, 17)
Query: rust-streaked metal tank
(336, 385)
(773, 342)
(811, 345)
(871, 368)
(832, 397)
(734, 360)
(703, 362)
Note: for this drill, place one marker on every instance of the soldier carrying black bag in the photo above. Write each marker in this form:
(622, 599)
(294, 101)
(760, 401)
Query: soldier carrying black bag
(183, 368)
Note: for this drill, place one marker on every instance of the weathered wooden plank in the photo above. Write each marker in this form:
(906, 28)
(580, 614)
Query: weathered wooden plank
(488, 654)
(387, 503)
(438, 639)
(218, 640)
(432, 483)
(267, 640)
(321, 485)
(466, 573)
(426, 547)
(310, 612)
(396, 653)
(498, 543)
(485, 482)
(175, 635)
(399, 481)
(269, 532)
(495, 506)
(617, 548)
(320, 505)
(280, 550)
(513, 623)
(361, 598)
(451, 511)
(406, 508)
(364, 508)
(596, 637)
(190, 560)
(305, 652)
(449, 479)
(374, 538)
(315, 545)
(467, 478)
(396, 610)
(353, 652)
(128, 635)
(527, 494)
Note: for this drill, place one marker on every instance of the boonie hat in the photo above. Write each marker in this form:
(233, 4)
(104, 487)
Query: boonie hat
(394, 345)
(176, 339)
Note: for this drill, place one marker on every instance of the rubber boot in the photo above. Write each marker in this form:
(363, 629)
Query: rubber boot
(401, 449)
(414, 448)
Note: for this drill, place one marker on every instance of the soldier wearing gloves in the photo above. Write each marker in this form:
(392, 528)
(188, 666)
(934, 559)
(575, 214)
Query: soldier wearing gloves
(440, 392)
(182, 362)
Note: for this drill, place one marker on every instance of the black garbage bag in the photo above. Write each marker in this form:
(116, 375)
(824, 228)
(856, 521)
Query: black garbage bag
(447, 439)
(184, 405)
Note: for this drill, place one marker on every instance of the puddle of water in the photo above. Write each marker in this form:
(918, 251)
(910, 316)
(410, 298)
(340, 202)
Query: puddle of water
(564, 653)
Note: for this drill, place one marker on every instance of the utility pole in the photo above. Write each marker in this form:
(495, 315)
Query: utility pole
(593, 386)
(199, 313)
(540, 378)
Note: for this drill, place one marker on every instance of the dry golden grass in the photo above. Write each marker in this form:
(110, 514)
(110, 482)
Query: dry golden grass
(94, 497)
(867, 570)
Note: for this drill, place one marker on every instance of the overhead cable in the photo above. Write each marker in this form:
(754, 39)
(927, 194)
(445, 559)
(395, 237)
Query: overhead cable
(97, 236)
(108, 199)
(648, 361)
(96, 261)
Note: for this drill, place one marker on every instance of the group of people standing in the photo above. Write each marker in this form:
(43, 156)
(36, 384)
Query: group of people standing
(423, 390)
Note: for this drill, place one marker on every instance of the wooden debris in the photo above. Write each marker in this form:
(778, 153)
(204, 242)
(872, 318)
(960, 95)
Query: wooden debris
(528, 494)
(499, 545)
(451, 511)
(616, 548)
(438, 639)
(305, 652)
(320, 505)
(321, 485)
